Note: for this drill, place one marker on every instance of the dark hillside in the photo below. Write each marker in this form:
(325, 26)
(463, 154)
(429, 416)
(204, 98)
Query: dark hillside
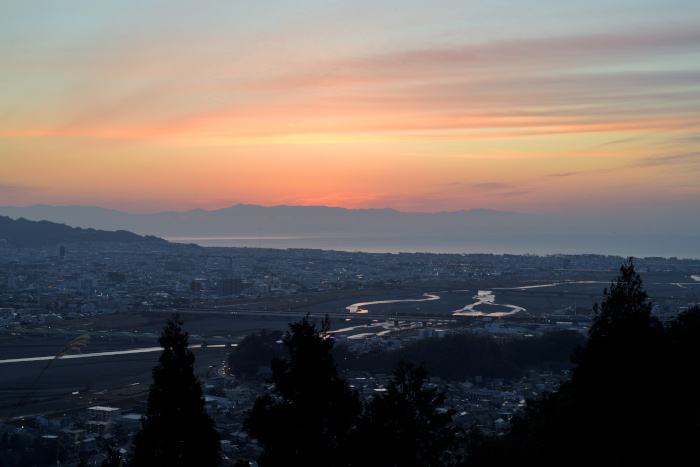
(25, 233)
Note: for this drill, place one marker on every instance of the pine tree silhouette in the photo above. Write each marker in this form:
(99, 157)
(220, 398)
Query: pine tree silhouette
(626, 401)
(176, 431)
(310, 417)
(405, 425)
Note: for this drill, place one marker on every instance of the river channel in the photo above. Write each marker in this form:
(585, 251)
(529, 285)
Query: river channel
(483, 297)
(482, 300)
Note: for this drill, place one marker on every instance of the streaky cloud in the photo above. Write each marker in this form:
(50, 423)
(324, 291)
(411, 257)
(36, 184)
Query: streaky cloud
(492, 186)
(688, 161)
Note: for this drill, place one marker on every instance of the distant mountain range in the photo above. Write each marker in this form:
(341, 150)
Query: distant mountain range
(388, 230)
(26, 233)
(252, 220)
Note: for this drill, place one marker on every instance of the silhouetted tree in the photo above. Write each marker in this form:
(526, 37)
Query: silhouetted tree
(308, 419)
(678, 377)
(617, 379)
(254, 351)
(624, 315)
(176, 431)
(406, 425)
(622, 403)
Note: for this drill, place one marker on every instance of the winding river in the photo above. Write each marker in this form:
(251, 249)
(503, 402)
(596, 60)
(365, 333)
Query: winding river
(485, 297)
(355, 308)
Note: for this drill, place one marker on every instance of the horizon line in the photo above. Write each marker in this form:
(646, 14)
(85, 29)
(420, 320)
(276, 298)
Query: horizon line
(265, 206)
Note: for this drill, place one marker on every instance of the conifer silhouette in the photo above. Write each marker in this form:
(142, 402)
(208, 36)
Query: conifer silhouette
(176, 431)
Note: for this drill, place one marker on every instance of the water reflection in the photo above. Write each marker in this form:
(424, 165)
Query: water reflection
(485, 297)
(355, 308)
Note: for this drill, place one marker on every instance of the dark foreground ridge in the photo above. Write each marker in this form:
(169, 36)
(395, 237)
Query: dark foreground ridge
(25, 233)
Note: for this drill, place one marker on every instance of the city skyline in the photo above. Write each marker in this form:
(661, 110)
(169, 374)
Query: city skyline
(583, 108)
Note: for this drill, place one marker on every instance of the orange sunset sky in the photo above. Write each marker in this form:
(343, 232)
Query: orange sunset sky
(529, 106)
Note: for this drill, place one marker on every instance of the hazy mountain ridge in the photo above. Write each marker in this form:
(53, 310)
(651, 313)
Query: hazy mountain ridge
(27, 233)
(475, 230)
(250, 220)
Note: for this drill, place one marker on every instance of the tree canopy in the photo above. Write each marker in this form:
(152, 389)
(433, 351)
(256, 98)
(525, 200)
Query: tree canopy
(254, 351)
(630, 400)
(623, 404)
(459, 356)
(313, 417)
(176, 431)
(405, 425)
(308, 418)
